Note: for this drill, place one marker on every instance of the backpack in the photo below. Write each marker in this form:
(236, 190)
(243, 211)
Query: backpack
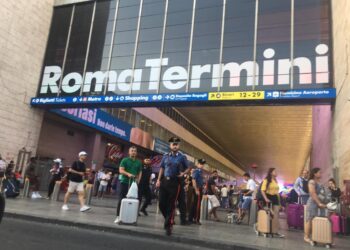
(305, 186)
(259, 196)
(11, 189)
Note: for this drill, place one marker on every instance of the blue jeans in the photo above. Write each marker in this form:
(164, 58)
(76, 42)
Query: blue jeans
(224, 202)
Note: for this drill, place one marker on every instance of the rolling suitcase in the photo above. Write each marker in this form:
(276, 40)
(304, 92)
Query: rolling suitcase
(345, 225)
(295, 215)
(129, 210)
(266, 224)
(322, 231)
(336, 225)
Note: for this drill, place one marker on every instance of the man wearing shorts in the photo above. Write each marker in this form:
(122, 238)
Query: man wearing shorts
(246, 200)
(211, 187)
(76, 182)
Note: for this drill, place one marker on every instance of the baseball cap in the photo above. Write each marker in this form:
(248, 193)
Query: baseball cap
(58, 160)
(82, 153)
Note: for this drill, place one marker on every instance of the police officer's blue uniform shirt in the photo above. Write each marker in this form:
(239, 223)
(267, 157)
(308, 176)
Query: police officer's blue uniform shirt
(198, 177)
(173, 164)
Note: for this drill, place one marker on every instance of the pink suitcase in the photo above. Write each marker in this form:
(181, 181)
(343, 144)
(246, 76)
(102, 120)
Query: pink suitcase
(336, 225)
(295, 216)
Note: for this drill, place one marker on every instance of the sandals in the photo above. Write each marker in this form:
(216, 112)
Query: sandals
(307, 239)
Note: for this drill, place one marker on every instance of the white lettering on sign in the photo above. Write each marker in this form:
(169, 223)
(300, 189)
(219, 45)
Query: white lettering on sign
(175, 78)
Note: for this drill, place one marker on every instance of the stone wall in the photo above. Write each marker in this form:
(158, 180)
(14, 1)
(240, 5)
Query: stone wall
(341, 50)
(24, 29)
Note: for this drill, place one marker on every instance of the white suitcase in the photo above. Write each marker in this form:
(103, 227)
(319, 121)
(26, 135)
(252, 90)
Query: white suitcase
(129, 210)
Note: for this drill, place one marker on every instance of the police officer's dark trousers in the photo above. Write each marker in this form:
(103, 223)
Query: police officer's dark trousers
(168, 193)
(195, 211)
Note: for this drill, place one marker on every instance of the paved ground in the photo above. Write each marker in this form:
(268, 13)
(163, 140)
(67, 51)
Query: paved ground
(211, 234)
(25, 235)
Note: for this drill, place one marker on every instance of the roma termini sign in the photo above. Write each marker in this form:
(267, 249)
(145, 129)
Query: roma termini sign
(271, 81)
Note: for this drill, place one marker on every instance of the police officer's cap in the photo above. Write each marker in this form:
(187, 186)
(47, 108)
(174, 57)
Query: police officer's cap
(201, 161)
(174, 140)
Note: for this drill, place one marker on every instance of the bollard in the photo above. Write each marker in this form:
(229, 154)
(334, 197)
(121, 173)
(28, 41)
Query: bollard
(204, 208)
(26, 188)
(56, 191)
(88, 192)
(253, 211)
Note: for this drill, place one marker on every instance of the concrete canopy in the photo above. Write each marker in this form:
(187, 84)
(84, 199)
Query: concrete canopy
(269, 136)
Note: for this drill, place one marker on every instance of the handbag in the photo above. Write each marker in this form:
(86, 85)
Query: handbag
(133, 191)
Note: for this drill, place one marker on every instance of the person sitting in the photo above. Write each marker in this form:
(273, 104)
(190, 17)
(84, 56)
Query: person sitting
(335, 191)
(244, 204)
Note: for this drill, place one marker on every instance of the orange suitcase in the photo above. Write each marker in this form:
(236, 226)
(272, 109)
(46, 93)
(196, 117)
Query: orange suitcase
(267, 222)
(322, 231)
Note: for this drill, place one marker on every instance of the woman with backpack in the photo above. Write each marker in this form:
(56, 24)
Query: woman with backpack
(270, 194)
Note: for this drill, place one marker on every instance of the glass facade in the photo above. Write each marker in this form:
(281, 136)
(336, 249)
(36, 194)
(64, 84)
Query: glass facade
(115, 47)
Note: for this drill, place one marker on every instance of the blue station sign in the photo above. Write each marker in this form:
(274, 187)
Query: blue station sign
(210, 97)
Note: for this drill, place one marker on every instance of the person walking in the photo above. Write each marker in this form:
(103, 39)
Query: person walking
(197, 181)
(270, 193)
(130, 169)
(313, 204)
(76, 175)
(144, 185)
(56, 175)
(172, 169)
(244, 204)
(300, 187)
(211, 190)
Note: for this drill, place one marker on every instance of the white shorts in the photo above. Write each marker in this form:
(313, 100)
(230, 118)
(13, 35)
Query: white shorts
(214, 201)
(75, 186)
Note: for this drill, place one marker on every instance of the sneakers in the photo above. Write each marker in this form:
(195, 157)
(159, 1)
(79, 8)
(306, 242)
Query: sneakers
(278, 235)
(65, 207)
(85, 208)
(117, 220)
(144, 212)
(36, 195)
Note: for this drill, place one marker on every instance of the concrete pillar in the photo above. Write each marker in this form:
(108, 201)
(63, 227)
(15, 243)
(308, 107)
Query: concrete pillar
(321, 152)
(94, 150)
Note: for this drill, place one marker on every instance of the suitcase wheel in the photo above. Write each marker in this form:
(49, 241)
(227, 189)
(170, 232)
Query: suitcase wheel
(312, 243)
(265, 235)
(328, 246)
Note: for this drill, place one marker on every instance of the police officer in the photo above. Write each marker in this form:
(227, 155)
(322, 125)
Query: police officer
(197, 181)
(172, 168)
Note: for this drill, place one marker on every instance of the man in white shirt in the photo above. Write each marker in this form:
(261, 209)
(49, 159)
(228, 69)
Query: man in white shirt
(224, 197)
(246, 197)
(104, 179)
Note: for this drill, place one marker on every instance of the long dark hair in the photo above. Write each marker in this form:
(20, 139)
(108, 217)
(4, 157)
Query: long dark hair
(269, 175)
(313, 172)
